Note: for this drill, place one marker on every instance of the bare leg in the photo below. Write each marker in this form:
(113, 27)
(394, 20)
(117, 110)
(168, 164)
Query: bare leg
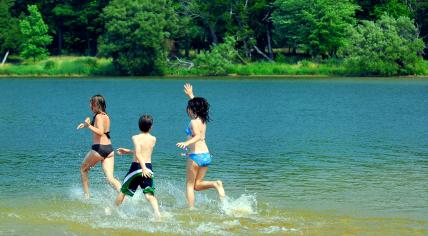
(201, 184)
(154, 202)
(119, 199)
(190, 182)
(90, 160)
(108, 168)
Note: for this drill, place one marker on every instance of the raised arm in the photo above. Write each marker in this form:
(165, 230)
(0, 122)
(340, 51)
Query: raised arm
(188, 90)
(137, 147)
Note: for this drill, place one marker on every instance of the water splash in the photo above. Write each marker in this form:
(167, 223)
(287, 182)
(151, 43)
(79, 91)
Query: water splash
(212, 216)
(278, 229)
(243, 206)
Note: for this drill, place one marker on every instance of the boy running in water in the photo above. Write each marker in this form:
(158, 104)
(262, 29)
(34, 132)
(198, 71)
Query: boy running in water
(140, 173)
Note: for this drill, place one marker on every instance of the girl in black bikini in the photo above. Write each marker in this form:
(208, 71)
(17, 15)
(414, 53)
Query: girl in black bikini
(102, 149)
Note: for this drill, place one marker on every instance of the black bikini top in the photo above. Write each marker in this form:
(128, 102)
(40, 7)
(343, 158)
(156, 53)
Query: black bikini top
(93, 122)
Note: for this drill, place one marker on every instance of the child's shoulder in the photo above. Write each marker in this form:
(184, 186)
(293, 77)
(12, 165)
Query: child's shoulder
(196, 121)
(136, 137)
(143, 137)
(152, 137)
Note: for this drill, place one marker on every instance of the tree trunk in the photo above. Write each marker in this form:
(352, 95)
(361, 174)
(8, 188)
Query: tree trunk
(4, 58)
(269, 42)
(187, 47)
(213, 35)
(247, 53)
(261, 53)
(88, 45)
(60, 39)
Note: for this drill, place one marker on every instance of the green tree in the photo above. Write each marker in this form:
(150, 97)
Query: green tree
(77, 25)
(331, 26)
(374, 9)
(35, 37)
(74, 25)
(211, 21)
(394, 8)
(421, 13)
(136, 35)
(10, 36)
(388, 46)
(216, 61)
(318, 27)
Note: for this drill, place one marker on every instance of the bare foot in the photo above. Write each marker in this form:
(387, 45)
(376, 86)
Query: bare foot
(220, 189)
(158, 217)
(107, 211)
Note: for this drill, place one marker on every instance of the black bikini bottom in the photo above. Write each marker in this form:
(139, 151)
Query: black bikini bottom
(103, 150)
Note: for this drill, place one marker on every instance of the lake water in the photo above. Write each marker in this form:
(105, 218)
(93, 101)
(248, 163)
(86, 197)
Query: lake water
(297, 157)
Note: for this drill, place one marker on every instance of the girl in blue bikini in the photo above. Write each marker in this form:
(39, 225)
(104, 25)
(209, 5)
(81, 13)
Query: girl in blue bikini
(199, 156)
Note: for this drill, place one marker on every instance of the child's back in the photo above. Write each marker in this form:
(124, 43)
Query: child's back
(141, 172)
(144, 144)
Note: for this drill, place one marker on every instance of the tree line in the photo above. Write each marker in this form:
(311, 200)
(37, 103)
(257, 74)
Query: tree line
(143, 36)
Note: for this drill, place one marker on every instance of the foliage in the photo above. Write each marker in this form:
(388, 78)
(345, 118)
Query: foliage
(216, 61)
(35, 37)
(205, 23)
(388, 46)
(61, 66)
(319, 27)
(394, 8)
(315, 29)
(10, 37)
(136, 34)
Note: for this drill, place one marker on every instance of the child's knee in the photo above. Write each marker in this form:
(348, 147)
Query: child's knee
(190, 185)
(111, 179)
(149, 196)
(196, 188)
(84, 169)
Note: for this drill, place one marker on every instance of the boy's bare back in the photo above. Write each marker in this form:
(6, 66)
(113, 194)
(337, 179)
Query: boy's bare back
(144, 144)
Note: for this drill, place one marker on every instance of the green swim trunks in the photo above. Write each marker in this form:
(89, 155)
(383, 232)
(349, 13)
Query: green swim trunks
(135, 178)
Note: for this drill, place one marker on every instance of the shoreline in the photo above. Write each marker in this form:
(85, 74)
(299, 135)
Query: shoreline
(70, 67)
(205, 77)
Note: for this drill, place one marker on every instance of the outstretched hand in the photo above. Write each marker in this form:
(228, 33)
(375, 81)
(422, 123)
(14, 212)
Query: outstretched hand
(86, 123)
(81, 126)
(123, 151)
(188, 90)
(181, 145)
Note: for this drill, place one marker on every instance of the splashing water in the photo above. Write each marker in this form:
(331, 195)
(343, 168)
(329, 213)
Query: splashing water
(211, 216)
(243, 206)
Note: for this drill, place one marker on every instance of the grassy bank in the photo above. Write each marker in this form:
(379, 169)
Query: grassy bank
(65, 66)
(301, 68)
(266, 68)
(74, 66)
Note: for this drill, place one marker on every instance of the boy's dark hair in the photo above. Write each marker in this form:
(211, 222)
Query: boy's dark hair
(145, 123)
(200, 107)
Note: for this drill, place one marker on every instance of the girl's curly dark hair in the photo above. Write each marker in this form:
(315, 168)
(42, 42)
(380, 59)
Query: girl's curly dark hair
(200, 107)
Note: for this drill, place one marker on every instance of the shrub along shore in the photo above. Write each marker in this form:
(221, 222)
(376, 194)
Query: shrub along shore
(72, 66)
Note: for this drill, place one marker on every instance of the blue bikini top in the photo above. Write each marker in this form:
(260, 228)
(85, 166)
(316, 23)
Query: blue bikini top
(188, 131)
